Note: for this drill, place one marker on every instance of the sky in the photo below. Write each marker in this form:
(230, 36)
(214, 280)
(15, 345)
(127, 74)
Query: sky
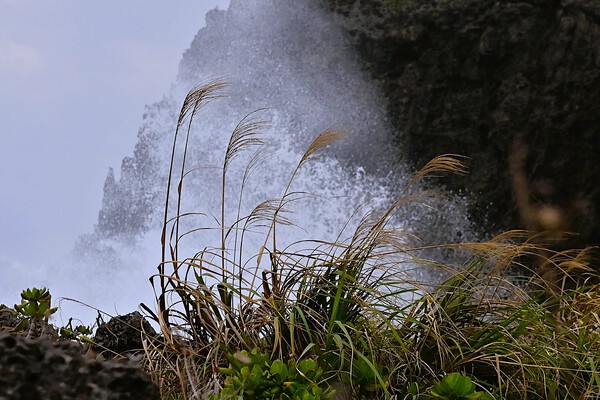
(75, 76)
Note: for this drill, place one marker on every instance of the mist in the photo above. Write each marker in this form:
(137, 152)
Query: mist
(75, 78)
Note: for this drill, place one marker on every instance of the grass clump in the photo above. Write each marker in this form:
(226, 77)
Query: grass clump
(318, 319)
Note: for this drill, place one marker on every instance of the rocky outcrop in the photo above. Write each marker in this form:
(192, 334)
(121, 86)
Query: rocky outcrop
(288, 56)
(8, 319)
(123, 334)
(40, 365)
(129, 203)
(488, 79)
(43, 369)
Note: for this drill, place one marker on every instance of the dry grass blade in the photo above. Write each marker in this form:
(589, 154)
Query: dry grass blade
(244, 136)
(446, 163)
(192, 103)
(258, 157)
(319, 143)
(263, 214)
(323, 140)
(199, 96)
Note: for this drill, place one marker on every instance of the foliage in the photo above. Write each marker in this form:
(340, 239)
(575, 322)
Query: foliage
(236, 325)
(35, 304)
(34, 311)
(456, 386)
(252, 375)
(34, 308)
(79, 333)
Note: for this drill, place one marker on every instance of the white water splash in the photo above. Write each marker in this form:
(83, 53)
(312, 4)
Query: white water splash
(291, 58)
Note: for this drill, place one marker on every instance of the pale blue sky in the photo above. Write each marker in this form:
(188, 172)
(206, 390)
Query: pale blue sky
(74, 78)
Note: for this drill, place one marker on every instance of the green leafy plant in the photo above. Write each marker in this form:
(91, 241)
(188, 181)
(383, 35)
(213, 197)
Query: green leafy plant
(456, 386)
(368, 377)
(252, 375)
(35, 304)
(80, 332)
(34, 307)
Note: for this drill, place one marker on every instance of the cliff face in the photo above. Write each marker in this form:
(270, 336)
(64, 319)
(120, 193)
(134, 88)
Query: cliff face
(511, 84)
(128, 205)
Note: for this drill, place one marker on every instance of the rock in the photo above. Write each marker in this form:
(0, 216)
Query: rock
(11, 322)
(474, 77)
(122, 334)
(43, 369)
(8, 319)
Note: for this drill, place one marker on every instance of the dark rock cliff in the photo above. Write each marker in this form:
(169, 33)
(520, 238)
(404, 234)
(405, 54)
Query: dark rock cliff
(511, 84)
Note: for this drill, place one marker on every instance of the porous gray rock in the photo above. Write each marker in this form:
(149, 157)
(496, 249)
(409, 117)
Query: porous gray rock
(122, 334)
(8, 319)
(12, 322)
(42, 369)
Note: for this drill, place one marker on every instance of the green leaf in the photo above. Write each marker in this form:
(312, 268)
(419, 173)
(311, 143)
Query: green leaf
(279, 369)
(256, 376)
(239, 359)
(413, 388)
(245, 373)
(227, 371)
(459, 384)
(307, 366)
(456, 386)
